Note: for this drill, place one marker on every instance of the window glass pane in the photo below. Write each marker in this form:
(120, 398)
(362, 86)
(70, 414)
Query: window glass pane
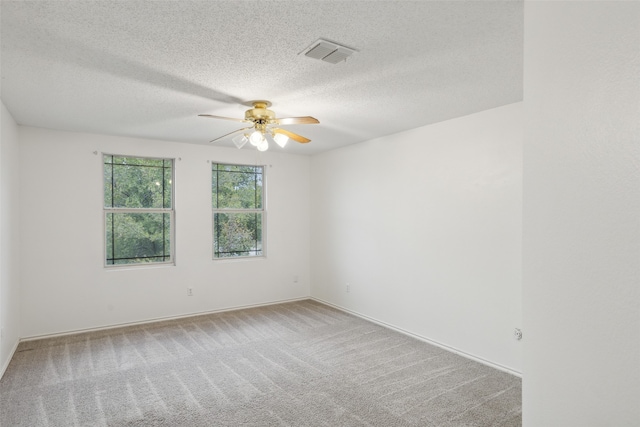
(236, 187)
(137, 183)
(138, 238)
(237, 234)
(214, 187)
(108, 183)
(109, 228)
(137, 186)
(167, 182)
(166, 219)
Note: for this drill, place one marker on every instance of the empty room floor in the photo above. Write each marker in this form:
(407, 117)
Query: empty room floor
(293, 364)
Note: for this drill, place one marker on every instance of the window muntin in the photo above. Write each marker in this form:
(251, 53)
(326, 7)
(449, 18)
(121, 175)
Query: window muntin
(238, 210)
(138, 206)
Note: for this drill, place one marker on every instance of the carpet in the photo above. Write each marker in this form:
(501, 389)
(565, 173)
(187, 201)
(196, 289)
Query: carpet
(292, 364)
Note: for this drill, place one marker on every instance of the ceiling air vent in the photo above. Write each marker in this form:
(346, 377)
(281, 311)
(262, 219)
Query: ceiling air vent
(328, 51)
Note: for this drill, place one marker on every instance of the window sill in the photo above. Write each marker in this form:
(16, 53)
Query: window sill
(238, 259)
(129, 267)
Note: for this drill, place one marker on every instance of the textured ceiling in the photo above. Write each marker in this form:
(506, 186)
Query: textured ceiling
(148, 68)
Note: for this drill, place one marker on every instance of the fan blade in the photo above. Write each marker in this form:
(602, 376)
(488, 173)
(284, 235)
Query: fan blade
(291, 135)
(307, 120)
(231, 133)
(211, 116)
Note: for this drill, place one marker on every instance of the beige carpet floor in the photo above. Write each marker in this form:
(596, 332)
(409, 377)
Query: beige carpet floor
(293, 364)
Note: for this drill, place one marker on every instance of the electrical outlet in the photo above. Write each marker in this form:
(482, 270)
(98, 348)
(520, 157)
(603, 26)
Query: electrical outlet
(348, 288)
(190, 292)
(295, 279)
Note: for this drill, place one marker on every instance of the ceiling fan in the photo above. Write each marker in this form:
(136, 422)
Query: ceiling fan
(264, 126)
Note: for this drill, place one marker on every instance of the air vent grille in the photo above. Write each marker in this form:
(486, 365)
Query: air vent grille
(328, 51)
(338, 55)
(321, 50)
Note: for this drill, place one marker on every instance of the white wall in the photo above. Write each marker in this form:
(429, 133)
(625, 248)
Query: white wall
(425, 226)
(64, 284)
(582, 214)
(9, 244)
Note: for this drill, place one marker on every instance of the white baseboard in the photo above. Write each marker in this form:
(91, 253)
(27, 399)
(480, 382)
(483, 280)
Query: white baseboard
(157, 319)
(6, 364)
(424, 339)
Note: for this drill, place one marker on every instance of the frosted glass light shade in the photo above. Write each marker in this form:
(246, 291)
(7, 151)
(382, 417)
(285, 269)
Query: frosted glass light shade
(240, 140)
(256, 138)
(264, 145)
(281, 139)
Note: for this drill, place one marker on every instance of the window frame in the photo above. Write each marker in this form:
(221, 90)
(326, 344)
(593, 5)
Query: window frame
(115, 210)
(262, 211)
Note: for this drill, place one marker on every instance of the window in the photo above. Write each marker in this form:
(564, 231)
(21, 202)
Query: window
(138, 210)
(238, 210)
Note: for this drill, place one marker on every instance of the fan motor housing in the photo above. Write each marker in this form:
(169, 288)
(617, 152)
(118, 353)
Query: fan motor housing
(258, 114)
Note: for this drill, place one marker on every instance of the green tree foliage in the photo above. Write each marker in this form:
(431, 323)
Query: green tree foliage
(137, 183)
(131, 182)
(236, 187)
(237, 203)
(237, 234)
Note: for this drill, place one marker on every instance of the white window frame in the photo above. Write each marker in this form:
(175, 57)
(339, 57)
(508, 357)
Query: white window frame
(114, 210)
(263, 212)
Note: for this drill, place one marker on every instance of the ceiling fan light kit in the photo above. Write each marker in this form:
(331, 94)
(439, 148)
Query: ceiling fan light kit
(256, 138)
(262, 130)
(281, 139)
(263, 145)
(240, 140)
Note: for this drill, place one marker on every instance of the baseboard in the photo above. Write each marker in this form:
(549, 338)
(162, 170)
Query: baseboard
(421, 338)
(6, 364)
(157, 319)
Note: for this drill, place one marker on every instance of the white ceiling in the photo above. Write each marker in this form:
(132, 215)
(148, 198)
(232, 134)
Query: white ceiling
(148, 68)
